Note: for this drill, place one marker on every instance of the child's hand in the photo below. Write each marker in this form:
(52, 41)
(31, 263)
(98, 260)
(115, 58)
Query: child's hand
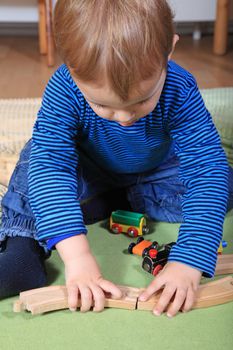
(179, 280)
(84, 282)
(83, 278)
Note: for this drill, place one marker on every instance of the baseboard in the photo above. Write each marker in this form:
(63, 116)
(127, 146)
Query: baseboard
(18, 29)
(204, 27)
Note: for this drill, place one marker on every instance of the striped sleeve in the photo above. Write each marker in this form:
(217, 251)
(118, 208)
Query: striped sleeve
(52, 177)
(204, 170)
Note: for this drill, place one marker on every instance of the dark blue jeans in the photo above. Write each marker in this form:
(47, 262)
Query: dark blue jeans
(157, 193)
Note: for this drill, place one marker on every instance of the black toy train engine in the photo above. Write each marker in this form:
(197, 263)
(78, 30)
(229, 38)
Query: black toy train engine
(154, 260)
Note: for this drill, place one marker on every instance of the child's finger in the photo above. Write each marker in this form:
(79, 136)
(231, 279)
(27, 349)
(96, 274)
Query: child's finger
(189, 300)
(111, 288)
(179, 299)
(86, 298)
(99, 298)
(72, 291)
(153, 287)
(164, 300)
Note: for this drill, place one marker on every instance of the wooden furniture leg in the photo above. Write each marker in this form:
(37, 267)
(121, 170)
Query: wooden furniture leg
(42, 27)
(49, 31)
(45, 30)
(221, 27)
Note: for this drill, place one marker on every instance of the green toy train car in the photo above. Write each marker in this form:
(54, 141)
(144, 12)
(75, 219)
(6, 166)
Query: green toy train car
(133, 224)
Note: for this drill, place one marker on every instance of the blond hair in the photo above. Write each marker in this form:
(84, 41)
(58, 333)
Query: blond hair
(125, 41)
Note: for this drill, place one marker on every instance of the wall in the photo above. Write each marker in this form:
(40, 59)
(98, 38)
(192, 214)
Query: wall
(186, 10)
(18, 11)
(197, 10)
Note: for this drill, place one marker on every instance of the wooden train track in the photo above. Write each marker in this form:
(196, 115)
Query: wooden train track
(55, 298)
(46, 299)
(224, 264)
(209, 294)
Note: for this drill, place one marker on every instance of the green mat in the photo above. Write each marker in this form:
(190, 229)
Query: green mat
(219, 102)
(119, 329)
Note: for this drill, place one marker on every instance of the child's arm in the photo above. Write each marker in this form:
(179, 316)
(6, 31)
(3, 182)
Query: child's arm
(83, 276)
(204, 173)
(53, 189)
(203, 170)
(178, 280)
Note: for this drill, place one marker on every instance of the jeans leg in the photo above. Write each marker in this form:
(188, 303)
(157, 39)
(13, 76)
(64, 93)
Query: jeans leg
(17, 217)
(99, 192)
(21, 266)
(96, 194)
(159, 193)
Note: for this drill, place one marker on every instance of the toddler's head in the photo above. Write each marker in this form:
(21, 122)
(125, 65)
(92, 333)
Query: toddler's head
(117, 52)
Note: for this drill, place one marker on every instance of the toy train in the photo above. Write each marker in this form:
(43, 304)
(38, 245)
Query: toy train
(155, 256)
(133, 224)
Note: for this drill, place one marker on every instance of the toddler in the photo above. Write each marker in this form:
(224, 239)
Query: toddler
(119, 115)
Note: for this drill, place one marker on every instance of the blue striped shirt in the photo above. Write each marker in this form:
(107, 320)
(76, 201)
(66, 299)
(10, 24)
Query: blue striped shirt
(66, 120)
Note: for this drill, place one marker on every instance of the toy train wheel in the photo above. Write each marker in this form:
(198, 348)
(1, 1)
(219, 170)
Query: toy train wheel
(140, 239)
(132, 232)
(144, 252)
(147, 264)
(116, 228)
(145, 230)
(154, 245)
(130, 248)
(157, 269)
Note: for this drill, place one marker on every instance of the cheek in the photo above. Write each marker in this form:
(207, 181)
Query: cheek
(103, 113)
(143, 110)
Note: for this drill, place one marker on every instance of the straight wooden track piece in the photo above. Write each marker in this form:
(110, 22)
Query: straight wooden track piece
(53, 298)
(209, 294)
(224, 264)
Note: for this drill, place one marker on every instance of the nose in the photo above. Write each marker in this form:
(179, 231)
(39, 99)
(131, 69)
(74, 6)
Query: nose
(123, 116)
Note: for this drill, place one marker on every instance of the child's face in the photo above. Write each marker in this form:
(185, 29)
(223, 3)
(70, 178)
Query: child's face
(142, 100)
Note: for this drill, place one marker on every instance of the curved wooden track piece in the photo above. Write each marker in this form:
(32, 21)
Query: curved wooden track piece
(209, 294)
(53, 298)
(224, 264)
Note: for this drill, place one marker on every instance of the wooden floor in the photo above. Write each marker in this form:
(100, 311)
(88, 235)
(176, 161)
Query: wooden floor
(24, 73)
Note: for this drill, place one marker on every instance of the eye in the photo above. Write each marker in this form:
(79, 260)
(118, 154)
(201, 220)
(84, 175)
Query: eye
(145, 101)
(97, 106)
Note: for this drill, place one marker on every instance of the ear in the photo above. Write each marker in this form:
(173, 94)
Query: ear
(175, 39)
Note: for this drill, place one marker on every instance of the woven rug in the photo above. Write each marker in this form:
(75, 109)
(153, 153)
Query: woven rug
(17, 117)
(220, 104)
